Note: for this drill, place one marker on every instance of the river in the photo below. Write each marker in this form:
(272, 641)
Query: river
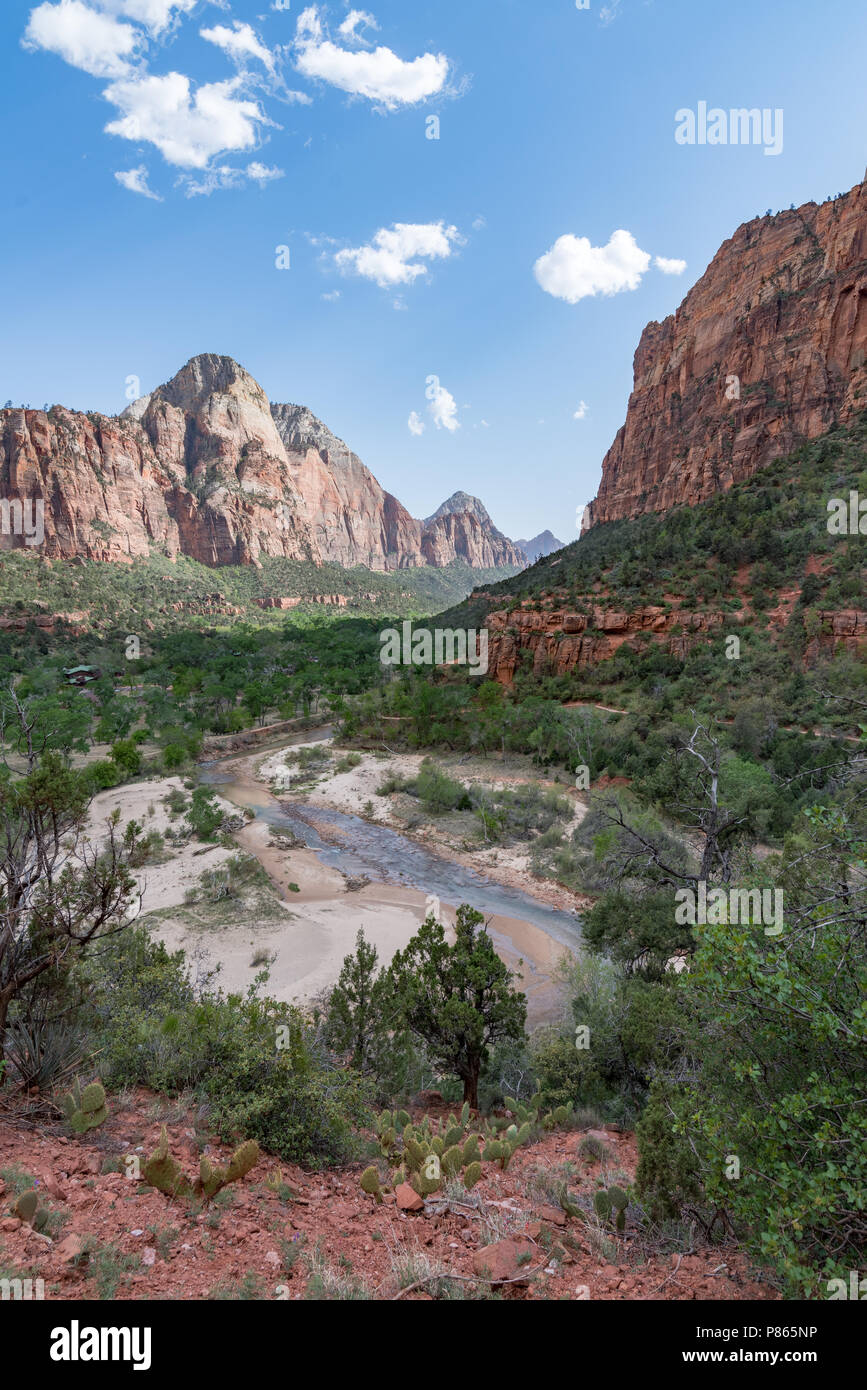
(520, 925)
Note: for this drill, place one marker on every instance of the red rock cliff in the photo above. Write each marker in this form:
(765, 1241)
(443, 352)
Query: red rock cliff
(205, 466)
(783, 308)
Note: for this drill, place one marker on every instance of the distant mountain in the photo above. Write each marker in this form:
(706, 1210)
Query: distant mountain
(206, 466)
(462, 502)
(543, 544)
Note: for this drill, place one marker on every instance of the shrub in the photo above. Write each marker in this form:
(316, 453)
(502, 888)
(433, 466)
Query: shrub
(153, 1027)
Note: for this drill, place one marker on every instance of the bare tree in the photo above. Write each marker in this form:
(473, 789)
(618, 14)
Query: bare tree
(696, 802)
(59, 892)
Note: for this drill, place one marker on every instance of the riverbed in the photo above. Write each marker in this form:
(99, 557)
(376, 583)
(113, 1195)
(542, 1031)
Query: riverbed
(401, 874)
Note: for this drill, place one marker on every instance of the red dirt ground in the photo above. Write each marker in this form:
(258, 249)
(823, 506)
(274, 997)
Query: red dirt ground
(251, 1233)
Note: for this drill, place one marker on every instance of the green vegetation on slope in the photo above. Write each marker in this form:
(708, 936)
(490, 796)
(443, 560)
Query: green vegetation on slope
(118, 595)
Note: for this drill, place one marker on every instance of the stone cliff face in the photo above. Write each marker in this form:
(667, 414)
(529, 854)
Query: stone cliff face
(561, 641)
(354, 521)
(206, 466)
(462, 530)
(768, 349)
(462, 536)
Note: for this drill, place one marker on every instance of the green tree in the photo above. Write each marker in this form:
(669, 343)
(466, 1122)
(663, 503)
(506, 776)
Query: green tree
(776, 1032)
(458, 999)
(359, 1010)
(58, 892)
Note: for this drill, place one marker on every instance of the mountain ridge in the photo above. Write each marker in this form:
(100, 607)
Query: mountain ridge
(207, 466)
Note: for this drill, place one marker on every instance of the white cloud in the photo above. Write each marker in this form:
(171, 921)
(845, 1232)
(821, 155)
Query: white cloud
(669, 267)
(228, 176)
(332, 296)
(220, 177)
(136, 180)
(264, 173)
(187, 128)
(395, 255)
(239, 43)
(416, 423)
(479, 223)
(581, 411)
(378, 75)
(96, 43)
(573, 269)
(352, 21)
(443, 407)
(156, 15)
(609, 12)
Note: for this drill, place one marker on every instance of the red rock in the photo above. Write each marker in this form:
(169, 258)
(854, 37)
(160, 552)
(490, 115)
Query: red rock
(544, 634)
(205, 466)
(782, 307)
(69, 1248)
(601, 1135)
(555, 1216)
(499, 1261)
(408, 1199)
(53, 1188)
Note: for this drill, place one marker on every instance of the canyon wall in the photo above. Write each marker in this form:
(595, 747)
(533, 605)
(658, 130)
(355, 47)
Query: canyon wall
(768, 349)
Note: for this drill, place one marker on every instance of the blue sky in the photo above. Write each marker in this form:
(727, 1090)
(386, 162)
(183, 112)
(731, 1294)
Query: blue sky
(469, 284)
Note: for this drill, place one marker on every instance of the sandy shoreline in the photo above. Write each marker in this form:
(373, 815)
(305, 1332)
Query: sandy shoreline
(305, 917)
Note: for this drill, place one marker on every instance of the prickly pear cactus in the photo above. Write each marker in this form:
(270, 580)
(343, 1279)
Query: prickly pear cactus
(452, 1161)
(619, 1202)
(164, 1172)
(611, 1203)
(28, 1210)
(470, 1152)
(245, 1157)
(370, 1184)
(472, 1176)
(414, 1155)
(85, 1109)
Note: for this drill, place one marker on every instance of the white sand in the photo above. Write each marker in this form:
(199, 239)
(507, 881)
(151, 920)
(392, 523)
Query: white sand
(313, 930)
(161, 885)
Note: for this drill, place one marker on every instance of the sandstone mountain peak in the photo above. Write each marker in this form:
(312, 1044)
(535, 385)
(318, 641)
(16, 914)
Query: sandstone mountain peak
(205, 375)
(206, 466)
(768, 349)
(462, 502)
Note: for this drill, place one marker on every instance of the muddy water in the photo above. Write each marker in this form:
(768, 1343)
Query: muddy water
(521, 926)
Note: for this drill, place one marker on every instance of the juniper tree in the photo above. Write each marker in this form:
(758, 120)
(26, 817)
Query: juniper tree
(359, 1012)
(59, 893)
(459, 999)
